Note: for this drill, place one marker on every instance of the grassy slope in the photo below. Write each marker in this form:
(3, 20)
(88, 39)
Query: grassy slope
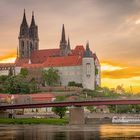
(34, 121)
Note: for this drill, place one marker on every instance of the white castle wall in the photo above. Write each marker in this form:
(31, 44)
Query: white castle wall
(4, 72)
(17, 70)
(69, 73)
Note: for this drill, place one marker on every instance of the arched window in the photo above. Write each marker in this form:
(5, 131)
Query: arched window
(22, 48)
(31, 47)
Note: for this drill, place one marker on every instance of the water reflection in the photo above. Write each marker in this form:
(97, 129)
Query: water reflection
(44, 132)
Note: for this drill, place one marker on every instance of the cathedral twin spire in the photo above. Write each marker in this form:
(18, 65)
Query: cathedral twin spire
(65, 48)
(28, 37)
(25, 30)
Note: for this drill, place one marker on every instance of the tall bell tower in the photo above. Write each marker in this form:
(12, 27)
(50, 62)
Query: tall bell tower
(64, 45)
(33, 35)
(24, 38)
(28, 38)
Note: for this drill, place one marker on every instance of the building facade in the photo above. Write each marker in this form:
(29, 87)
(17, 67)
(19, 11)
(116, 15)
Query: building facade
(79, 64)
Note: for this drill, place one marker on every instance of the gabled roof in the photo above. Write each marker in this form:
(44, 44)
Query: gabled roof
(20, 62)
(34, 96)
(3, 65)
(63, 61)
(79, 50)
(52, 58)
(40, 56)
(42, 97)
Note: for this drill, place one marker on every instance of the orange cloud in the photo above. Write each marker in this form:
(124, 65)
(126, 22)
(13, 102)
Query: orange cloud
(127, 72)
(116, 74)
(7, 56)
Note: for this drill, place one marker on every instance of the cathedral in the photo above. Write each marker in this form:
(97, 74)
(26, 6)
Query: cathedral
(78, 64)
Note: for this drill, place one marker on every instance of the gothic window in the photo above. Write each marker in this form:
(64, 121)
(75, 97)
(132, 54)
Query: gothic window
(22, 44)
(31, 47)
(22, 48)
(88, 69)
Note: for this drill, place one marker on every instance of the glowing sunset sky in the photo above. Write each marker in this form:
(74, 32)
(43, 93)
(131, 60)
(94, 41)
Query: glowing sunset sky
(111, 26)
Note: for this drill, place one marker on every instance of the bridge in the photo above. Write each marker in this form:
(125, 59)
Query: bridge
(76, 110)
(73, 103)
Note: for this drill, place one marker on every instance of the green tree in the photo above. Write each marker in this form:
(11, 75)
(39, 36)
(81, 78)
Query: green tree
(91, 108)
(96, 71)
(60, 111)
(12, 84)
(51, 76)
(74, 84)
(24, 72)
(33, 86)
(16, 84)
(3, 78)
(24, 87)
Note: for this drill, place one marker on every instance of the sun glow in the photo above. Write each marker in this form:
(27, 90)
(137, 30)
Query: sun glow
(8, 60)
(109, 67)
(111, 74)
(137, 21)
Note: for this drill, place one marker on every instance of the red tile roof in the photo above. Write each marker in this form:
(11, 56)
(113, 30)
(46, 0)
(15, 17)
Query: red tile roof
(41, 55)
(4, 95)
(79, 50)
(51, 58)
(42, 97)
(35, 97)
(20, 62)
(63, 61)
(6, 65)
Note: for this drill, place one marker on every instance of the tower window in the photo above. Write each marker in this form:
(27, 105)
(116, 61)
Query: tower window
(22, 44)
(88, 69)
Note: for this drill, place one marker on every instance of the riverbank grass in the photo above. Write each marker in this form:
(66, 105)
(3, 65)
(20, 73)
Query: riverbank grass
(50, 121)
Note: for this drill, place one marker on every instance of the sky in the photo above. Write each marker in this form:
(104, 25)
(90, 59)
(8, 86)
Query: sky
(112, 28)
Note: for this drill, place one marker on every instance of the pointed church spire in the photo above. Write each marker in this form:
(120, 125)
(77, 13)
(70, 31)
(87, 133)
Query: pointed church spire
(24, 21)
(87, 46)
(69, 44)
(63, 38)
(87, 53)
(63, 42)
(33, 28)
(24, 30)
(33, 20)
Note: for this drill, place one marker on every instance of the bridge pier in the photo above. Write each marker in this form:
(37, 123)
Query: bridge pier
(76, 116)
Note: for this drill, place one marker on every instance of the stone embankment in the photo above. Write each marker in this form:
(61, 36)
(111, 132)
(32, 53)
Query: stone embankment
(95, 118)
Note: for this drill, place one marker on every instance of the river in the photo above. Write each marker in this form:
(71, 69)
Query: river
(85, 132)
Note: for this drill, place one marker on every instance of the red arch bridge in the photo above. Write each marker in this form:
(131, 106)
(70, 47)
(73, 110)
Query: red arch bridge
(76, 111)
(73, 103)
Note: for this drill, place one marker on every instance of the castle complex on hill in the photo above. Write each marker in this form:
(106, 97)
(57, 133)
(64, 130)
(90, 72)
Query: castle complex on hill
(79, 64)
